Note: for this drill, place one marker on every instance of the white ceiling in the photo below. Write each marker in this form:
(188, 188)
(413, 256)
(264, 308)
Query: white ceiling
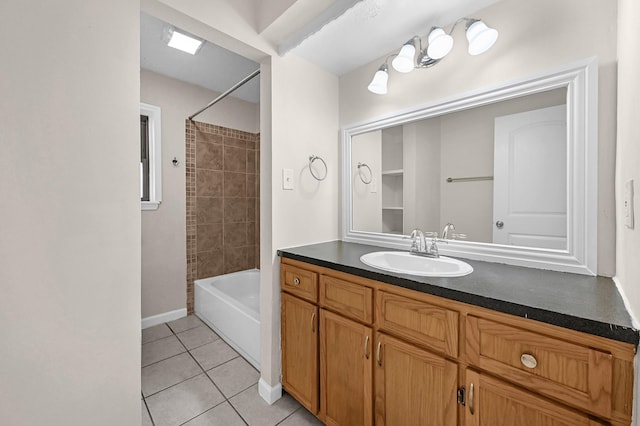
(367, 30)
(212, 67)
(372, 28)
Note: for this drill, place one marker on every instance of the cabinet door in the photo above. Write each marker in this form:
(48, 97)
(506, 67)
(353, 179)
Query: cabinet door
(413, 386)
(300, 350)
(345, 371)
(492, 402)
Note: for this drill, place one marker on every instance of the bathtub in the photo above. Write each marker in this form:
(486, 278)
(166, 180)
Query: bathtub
(230, 305)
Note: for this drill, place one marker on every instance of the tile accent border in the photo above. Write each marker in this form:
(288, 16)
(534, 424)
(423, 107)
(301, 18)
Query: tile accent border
(228, 243)
(191, 213)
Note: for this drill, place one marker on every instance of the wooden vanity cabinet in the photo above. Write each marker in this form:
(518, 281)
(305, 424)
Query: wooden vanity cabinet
(386, 355)
(299, 338)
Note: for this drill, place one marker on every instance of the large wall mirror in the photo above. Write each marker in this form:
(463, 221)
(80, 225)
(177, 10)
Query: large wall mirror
(512, 167)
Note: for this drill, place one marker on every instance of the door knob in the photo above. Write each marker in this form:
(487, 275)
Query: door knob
(499, 224)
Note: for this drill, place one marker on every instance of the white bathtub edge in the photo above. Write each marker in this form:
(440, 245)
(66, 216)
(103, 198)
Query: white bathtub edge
(251, 360)
(269, 393)
(162, 318)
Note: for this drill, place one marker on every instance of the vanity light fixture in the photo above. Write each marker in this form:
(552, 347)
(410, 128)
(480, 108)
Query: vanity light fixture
(379, 83)
(182, 41)
(404, 61)
(440, 43)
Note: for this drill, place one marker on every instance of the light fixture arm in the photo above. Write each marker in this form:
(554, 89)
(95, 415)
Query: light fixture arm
(468, 21)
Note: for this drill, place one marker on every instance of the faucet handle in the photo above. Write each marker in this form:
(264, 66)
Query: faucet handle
(416, 238)
(459, 236)
(431, 234)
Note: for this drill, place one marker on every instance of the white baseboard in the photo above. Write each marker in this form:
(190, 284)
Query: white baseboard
(162, 318)
(269, 393)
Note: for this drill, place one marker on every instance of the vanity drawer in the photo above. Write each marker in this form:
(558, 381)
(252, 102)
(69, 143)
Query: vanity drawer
(576, 374)
(347, 298)
(420, 322)
(299, 282)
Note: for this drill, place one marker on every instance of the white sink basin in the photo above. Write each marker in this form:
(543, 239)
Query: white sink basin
(407, 263)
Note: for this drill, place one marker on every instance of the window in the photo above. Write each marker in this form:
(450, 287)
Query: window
(150, 157)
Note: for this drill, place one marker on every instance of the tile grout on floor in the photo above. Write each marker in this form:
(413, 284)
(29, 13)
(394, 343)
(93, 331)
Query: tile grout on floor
(237, 388)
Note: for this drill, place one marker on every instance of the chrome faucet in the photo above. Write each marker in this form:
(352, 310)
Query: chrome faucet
(419, 244)
(448, 234)
(448, 227)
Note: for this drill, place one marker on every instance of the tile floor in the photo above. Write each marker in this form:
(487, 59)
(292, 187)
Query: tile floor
(192, 377)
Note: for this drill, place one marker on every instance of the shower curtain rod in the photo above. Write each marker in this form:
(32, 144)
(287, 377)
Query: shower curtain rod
(225, 94)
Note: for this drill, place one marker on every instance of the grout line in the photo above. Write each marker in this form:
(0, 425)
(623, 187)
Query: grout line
(227, 400)
(238, 413)
(144, 400)
(220, 365)
(158, 338)
(207, 376)
(283, 420)
(170, 356)
(206, 411)
(164, 359)
(173, 385)
(177, 383)
(203, 371)
(186, 329)
(239, 392)
(204, 344)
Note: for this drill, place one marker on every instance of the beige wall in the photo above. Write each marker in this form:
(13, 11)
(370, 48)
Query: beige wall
(303, 121)
(534, 37)
(628, 154)
(164, 230)
(70, 213)
(628, 165)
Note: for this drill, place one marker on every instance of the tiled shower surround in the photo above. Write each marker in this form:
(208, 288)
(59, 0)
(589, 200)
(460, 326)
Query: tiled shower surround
(223, 205)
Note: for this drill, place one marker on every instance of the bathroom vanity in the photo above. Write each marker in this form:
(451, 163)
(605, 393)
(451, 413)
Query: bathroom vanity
(504, 345)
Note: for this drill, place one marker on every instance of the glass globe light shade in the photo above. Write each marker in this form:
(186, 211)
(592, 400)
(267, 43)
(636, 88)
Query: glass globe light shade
(404, 61)
(480, 37)
(379, 83)
(440, 44)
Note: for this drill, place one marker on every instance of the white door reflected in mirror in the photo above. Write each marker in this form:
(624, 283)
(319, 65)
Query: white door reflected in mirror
(530, 179)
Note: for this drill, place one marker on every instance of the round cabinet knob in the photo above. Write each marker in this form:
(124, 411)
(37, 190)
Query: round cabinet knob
(528, 360)
(296, 281)
(499, 224)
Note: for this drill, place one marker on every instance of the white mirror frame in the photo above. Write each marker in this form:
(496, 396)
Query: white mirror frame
(581, 81)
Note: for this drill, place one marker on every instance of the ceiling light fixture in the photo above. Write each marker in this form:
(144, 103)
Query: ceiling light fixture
(440, 43)
(182, 41)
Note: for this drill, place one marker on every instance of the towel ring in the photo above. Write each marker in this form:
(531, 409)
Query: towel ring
(313, 158)
(366, 182)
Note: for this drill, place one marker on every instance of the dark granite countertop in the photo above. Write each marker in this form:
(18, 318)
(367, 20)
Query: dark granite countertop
(578, 302)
